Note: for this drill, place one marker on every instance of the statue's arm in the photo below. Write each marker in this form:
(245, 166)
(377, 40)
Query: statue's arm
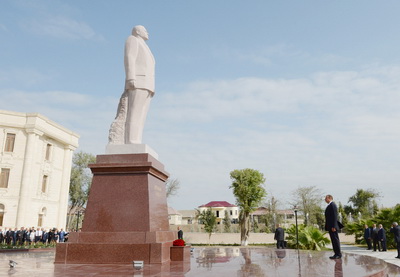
(131, 52)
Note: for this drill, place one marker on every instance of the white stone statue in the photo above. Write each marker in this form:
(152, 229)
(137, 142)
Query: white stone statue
(127, 128)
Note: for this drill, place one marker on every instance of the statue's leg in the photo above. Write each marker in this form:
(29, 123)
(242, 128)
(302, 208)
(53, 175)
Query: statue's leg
(138, 105)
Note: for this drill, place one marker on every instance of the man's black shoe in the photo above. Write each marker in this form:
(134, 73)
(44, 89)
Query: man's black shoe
(397, 257)
(335, 257)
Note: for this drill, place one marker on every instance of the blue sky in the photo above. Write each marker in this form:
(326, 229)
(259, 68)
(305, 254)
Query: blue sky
(307, 92)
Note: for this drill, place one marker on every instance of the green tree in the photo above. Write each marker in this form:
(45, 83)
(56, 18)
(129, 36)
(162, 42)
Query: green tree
(364, 202)
(308, 200)
(80, 182)
(172, 186)
(247, 185)
(272, 218)
(385, 217)
(310, 238)
(209, 220)
(227, 222)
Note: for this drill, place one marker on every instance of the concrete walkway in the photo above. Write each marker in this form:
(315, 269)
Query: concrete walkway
(387, 256)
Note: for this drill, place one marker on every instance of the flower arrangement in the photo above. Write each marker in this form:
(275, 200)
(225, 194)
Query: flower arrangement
(178, 242)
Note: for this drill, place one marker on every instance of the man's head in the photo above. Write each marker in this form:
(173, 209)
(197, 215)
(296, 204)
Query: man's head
(328, 198)
(140, 31)
(373, 225)
(395, 224)
(366, 226)
(380, 226)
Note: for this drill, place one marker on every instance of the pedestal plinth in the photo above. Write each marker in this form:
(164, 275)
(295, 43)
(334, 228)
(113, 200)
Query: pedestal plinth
(126, 217)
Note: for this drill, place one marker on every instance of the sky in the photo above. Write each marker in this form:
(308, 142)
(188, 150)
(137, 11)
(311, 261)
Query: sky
(306, 92)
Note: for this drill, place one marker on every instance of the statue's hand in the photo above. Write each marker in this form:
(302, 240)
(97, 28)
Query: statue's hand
(130, 84)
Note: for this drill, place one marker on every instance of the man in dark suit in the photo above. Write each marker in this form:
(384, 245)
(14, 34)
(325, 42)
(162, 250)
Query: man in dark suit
(367, 236)
(382, 237)
(180, 233)
(279, 237)
(332, 226)
(375, 239)
(396, 231)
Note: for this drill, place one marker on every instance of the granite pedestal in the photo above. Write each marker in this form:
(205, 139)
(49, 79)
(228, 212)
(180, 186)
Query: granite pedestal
(126, 218)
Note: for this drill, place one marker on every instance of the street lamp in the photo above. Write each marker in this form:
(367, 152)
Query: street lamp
(297, 228)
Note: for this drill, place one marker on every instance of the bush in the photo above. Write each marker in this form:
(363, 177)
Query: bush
(310, 238)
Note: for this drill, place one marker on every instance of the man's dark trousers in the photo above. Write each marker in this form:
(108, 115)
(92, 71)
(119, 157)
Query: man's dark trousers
(335, 242)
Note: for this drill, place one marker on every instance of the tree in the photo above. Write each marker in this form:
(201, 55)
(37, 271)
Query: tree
(81, 179)
(272, 218)
(172, 186)
(227, 222)
(385, 217)
(364, 202)
(247, 185)
(209, 219)
(308, 200)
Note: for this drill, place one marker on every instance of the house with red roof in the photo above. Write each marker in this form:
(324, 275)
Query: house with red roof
(220, 208)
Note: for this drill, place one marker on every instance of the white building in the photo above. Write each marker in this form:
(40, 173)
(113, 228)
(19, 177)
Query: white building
(35, 163)
(174, 217)
(219, 208)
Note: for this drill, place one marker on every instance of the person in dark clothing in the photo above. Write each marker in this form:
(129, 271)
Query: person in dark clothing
(332, 225)
(279, 237)
(367, 236)
(375, 239)
(396, 232)
(180, 233)
(382, 237)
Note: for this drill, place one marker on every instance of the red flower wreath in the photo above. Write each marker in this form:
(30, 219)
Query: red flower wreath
(178, 242)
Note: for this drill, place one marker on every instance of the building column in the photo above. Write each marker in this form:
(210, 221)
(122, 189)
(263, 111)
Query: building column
(64, 189)
(26, 182)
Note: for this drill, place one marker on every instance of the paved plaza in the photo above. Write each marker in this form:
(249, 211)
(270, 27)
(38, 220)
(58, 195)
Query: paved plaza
(214, 261)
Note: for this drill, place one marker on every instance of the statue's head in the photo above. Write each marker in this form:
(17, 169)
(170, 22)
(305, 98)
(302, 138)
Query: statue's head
(140, 31)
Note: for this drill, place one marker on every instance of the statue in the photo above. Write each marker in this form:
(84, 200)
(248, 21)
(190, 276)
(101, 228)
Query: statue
(127, 128)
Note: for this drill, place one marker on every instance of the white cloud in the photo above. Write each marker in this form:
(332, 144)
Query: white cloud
(336, 130)
(61, 27)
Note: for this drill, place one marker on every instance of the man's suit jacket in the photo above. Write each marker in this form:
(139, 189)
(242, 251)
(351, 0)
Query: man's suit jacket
(279, 234)
(396, 231)
(139, 63)
(367, 233)
(382, 234)
(375, 233)
(331, 217)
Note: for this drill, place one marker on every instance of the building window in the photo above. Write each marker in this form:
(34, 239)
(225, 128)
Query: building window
(235, 212)
(41, 217)
(44, 183)
(231, 212)
(4, 176)
(48, 151)
(1, 214)
(217, 213)
(10, 141)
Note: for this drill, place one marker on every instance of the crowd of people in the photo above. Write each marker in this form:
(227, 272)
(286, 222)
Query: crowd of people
(375, 237)
(28, 236)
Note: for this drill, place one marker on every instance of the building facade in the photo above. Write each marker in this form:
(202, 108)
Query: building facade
(220, 208)
(35, 164)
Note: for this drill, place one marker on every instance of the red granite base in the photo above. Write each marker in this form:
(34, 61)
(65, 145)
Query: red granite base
(75, 253)
(180, 253)
(126, 218)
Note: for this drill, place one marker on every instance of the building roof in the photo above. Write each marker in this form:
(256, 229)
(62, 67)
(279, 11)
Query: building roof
(264, 210)
(187, 213)
(214, 204)
(172, 211)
